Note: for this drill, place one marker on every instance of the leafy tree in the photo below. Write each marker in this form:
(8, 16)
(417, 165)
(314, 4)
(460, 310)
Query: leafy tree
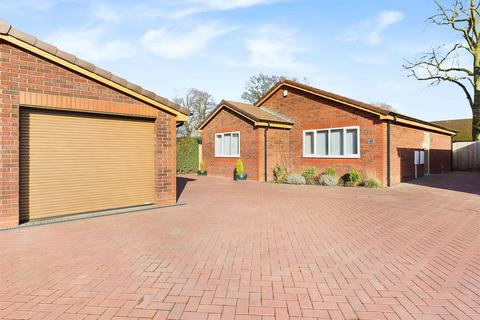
(444, 64)
(200, 103)
(257, 86)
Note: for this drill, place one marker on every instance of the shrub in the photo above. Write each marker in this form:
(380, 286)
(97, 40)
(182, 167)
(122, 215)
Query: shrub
(351, 184)
(354, 176)
(330, 171)
(327, 180)
(239, 167)
(201, 167)
(279, 174)
(295, 178)
(310, 175)
(187, 155)
(372, 183)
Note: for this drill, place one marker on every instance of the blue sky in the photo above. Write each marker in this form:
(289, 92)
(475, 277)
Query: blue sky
(350, 47)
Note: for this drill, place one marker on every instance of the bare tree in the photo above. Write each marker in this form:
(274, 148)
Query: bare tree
(444, 64)
(384, 105)
(258, 85)
(199, 103)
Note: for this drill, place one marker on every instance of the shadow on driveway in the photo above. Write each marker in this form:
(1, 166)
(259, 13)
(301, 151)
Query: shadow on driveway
(461, 181)
(181, 184)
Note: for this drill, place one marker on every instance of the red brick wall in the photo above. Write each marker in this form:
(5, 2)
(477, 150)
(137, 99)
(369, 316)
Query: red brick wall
(278, 141)
(165, 159)
(405, 140)
(22, 71)
(311, 112)
(250, 137)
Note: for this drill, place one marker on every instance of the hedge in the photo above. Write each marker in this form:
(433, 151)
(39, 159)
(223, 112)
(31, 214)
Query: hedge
(187, 155)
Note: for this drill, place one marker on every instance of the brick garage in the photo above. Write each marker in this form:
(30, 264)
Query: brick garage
(38, 81)
(304, 112)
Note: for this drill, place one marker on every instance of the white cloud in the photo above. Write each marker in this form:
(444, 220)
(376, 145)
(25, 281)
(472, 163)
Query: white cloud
(106, 13)
(371, 31)
(38, 5)
(172, 45)
(92, 45)
(199, 6)
(275, 49)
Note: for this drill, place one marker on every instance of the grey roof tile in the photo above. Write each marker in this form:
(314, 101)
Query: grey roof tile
(25, 37)
(4, 27)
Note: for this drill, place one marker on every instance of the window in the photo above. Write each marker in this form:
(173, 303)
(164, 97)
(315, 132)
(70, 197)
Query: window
(332, 143)
(419, 156)
(227, 144)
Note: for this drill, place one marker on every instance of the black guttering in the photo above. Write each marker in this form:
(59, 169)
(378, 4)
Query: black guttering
(265, 150)
(389, 178)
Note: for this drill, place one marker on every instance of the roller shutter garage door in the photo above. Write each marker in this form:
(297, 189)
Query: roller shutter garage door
(73, 162)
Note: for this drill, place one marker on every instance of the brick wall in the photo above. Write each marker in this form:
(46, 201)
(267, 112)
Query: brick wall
(405, 140)
(311, 112)
(278, 151)
(250, 137)
(165, 159)
(22, 72)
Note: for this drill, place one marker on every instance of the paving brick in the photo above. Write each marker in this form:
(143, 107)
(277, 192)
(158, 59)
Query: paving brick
(295, 252)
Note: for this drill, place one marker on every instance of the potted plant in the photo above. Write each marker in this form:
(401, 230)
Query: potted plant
(240, 174)
(201, 169)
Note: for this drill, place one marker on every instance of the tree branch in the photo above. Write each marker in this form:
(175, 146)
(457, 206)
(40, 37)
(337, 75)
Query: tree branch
(452, 18)
(436, 79)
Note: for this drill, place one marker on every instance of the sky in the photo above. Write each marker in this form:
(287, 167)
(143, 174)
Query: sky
(354, 48)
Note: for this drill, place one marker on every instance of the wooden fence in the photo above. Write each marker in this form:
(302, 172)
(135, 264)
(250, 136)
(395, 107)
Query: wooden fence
(466, 156)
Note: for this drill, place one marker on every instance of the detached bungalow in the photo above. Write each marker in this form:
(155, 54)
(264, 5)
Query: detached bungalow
(298, 127)
(75, 138)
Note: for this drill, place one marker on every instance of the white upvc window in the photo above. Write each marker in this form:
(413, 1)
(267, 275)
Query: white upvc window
(332, 143)
(227, 145)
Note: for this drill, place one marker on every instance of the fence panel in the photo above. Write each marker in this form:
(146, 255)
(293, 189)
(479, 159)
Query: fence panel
(466, 156)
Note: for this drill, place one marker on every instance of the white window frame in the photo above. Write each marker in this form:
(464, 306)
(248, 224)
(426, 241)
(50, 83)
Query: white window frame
(222, 134)
(344, 156)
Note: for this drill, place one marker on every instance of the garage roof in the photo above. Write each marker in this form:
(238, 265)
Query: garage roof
(262, 117)
(50, 52)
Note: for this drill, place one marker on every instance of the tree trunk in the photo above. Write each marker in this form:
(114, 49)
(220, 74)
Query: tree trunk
(476, 119)
(476, 97)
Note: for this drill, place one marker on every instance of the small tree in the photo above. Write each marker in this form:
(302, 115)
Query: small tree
(257, 86)
(200, 103)
(443, 63)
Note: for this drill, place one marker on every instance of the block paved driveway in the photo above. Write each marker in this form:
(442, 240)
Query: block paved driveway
(250, 250)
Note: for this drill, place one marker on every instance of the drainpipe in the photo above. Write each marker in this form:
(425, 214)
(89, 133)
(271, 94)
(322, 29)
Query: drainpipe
(265, 152)
(389, 178)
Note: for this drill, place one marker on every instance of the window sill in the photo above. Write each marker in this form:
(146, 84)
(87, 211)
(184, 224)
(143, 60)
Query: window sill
(331, 157)
(227, 157)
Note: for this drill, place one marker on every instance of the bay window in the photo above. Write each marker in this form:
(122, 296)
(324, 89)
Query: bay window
(332, 143)
(227, 144)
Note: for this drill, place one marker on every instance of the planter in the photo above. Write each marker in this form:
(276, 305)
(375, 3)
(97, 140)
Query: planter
(240, 176)
(202, 172)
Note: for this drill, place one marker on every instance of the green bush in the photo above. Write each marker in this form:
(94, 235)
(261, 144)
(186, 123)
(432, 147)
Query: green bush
(310, 175)
(351, 184)
(372, 183)
(330, 171)
(354, 176)
(327, 180)
(279, 174)
(187, 155)
(239, 167)
(295, 178)
(201, 166)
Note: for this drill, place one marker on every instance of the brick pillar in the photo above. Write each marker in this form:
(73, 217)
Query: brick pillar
(9, 159)
(165, 159)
